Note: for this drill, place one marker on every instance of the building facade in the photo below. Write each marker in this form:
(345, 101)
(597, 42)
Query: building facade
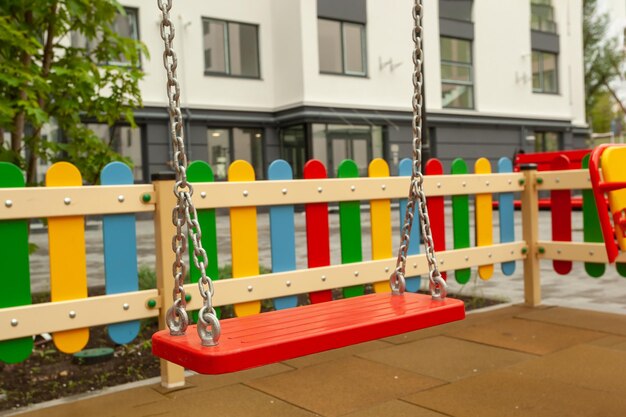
(331, 79)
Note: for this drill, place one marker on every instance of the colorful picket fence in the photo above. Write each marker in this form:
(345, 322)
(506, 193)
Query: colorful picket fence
(68, 270)
(452, 199)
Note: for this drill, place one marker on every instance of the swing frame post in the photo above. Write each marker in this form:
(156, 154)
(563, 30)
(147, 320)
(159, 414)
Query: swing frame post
(172, 375)
(530, 234)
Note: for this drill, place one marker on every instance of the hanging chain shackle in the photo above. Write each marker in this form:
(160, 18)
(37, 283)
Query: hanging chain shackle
(184, 214)
(417, 197)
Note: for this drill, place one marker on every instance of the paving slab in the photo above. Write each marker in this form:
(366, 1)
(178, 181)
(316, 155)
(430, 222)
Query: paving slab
(609, 342)
(342, 386)
(335, 354)
(447, 358)
(395, 408)
(586, 366)
(526, 336)
(504, 394)
(120, 403)
(232, 401)
(202, 383)
(584, 319)
(472, 317)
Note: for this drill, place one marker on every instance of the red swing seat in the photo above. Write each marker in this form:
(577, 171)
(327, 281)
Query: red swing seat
(608, 176)
(261, 339)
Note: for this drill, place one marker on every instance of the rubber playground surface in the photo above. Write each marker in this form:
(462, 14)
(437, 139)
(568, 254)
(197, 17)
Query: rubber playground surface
(503, 361)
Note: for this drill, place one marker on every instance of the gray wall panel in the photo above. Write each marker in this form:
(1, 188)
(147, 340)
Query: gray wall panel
(476, 142)
(197, 142)
(157, 138)
(456, 29)
(351, 10)
(455, 9)
(543, 41)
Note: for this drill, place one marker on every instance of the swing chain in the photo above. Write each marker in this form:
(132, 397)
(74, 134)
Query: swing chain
(417, 198)
(184, 213)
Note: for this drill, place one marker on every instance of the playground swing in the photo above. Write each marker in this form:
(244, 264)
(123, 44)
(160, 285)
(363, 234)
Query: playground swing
(266, 338)
(608, 177)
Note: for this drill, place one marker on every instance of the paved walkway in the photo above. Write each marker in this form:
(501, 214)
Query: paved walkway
(575, 290)
(511, 361)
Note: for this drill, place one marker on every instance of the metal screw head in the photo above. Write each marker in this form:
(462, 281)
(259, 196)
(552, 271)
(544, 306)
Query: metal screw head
(8, 203)
(120, 198)
(203, 194)
(386, 269)
(72, 314)
(323, 278)
(464, 184)
(466, 258)
(245, 193)
(590, 253)
(490, 255)
(438, 185)
(284, 191)
(125, 306)
(356, 273)
(487, 183)
(352, 188)
(414, 266)
(558, 180)
(319, 189)
(14, 323)
(250, 288)
(510, 182)
(384, 187)
(67, 201)
(288, 283)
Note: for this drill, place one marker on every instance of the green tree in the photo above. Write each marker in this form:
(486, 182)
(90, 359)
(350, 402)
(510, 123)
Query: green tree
(602, 113)
(48, 77)
(603, 61)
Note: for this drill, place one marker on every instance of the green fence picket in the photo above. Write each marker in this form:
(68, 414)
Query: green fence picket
(15, 272)
(461, 221)
(591, 225)
(350, 227)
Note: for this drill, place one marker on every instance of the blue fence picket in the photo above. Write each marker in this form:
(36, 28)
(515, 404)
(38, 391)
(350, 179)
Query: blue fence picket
(120, 251)
(282, 233)
(506, 212)
(412, 283)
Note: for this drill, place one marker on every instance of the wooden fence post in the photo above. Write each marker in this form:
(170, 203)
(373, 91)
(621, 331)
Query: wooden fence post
(530, 234)
(172, 375)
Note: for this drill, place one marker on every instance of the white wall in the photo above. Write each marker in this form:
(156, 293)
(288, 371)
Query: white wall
(290, 70)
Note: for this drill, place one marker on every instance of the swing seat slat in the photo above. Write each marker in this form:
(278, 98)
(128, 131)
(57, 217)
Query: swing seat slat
(261, 339)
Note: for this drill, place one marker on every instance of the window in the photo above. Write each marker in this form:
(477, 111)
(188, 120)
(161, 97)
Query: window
(125, 25)
(229, 144)
(293, 148)
(124, 140)
(333, 143)
(341, 47)
(545, 75)
(230, 49)
(542, 16)
(547, 141)
(457, 85)
(218, 142)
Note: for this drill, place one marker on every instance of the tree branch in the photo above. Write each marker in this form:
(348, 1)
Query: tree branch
(617, 99)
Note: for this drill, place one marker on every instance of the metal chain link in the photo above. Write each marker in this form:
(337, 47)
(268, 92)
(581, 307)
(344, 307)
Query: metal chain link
(184, 214)
(417, 198)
